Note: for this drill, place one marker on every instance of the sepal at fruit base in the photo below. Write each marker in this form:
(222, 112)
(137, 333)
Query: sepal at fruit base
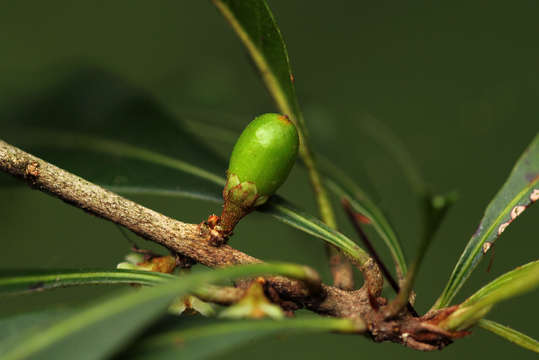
(240, 198)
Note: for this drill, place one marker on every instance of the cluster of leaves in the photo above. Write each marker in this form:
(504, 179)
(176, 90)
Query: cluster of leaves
(105, 116)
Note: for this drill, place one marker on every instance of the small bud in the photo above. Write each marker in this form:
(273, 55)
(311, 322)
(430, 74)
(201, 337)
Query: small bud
(163, 264)
(260, 163)
(254, 305)
(191, 305)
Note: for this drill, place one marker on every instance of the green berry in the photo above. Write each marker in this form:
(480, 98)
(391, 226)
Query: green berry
(260, 162)
(265, 152)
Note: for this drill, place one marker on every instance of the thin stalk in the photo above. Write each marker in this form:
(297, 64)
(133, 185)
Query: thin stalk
(435, 210)
(370, 248)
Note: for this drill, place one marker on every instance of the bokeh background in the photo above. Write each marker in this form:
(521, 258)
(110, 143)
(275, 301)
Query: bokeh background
(457, 82)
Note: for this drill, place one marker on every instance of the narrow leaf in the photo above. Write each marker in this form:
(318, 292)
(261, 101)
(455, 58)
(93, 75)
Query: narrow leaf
(98, 330)
(25, 281)
(200, 340)
(12, 326)
(285, 212)
(520, 190)
(512, 335)
(523, 278)
(513, 283)
(364, 206)
(435, 210)
(107, 131)
(434, 206)
(256, 27)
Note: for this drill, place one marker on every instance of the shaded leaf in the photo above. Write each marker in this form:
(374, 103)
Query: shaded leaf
(100, 329)
(512, 335)
(13, 325)
(25, 281)
(109, 132)
(520, 190)
(391, 143)
(513, 283)
(202, 339)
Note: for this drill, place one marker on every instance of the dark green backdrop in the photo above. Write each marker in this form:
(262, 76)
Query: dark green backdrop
(457, 81)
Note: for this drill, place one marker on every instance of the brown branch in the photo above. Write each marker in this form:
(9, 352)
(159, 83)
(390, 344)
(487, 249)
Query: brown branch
(193, 241)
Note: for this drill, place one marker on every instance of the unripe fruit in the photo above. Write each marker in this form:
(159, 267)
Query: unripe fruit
(265, 152)
(260, 162)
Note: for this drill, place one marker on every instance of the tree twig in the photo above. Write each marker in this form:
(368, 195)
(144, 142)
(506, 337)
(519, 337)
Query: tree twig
(193, 241)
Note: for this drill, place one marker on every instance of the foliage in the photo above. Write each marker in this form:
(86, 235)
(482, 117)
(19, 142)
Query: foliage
(122, 131)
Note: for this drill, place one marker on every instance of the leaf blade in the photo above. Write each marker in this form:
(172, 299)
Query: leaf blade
(100, 329)
(253, 22)
(509, 279)
(287, 213)
(512, 335)
(200, 341)
(519, 191)
(25, 281)
(511, 284)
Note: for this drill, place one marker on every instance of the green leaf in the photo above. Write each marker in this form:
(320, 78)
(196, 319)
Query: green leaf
(107, 131)
(25, 281)
(521, 277)
(287, 213)
(520, 190)
(513, 283)
(512, 335)
(98, 330)
(253, 22)
(203, 339)
(12, 326)
(435, 210)
(361, 204)
(100, 129)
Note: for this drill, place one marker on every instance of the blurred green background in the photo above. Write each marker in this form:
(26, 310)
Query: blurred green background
(458, 82)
